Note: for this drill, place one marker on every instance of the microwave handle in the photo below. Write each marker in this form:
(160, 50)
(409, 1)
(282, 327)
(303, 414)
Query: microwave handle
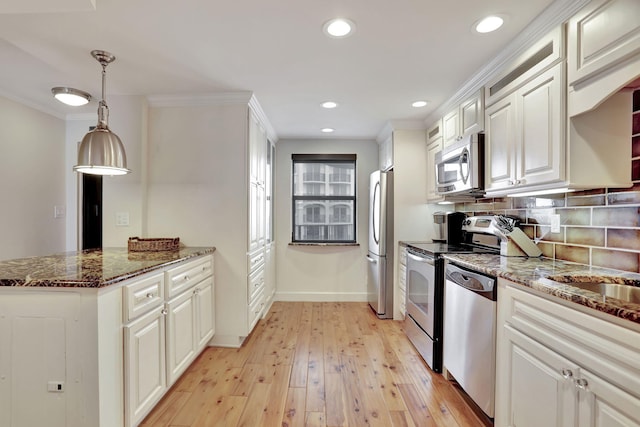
(464, 155)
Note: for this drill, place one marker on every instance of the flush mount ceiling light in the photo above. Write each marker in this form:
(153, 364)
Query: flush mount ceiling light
(327, 130)
(71, 96)
(489, 24)
(101, 152)
(419, 104)
(329, 104)
(339, 27)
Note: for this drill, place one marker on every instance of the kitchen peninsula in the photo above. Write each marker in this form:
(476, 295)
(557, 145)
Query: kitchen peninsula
(97, 337)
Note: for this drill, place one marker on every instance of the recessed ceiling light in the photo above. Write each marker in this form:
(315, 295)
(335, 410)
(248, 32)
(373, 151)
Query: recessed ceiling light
(71, 96)
(339, 27)
(419, 104)
(327, 130)
(489, 24)
(329, 104)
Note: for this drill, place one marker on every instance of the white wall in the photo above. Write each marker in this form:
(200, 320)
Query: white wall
(198, 192)
(321, 273)
(32, 181)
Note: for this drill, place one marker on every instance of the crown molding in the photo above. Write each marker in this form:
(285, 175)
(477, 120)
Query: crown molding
(555, 14)
(211, 99)
(259, 112)
(38, 107)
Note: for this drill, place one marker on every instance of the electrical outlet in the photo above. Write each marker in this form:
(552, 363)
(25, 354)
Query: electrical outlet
(55, 386)
(555, 223)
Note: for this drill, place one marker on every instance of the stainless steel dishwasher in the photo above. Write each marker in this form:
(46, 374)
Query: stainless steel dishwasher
(470, 333)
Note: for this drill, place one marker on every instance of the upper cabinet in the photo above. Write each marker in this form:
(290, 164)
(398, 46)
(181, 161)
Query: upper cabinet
(603, 51)
(464, 119)
(385, 153)
(434, 145)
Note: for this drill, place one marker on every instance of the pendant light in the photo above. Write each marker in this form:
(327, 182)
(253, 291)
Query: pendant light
(101, 152)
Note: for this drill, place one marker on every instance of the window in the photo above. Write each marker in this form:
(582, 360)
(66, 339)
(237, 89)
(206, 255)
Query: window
(324, 198)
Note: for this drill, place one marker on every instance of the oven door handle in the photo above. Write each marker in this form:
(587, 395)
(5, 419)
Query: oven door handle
(417, 258)
(371, 260)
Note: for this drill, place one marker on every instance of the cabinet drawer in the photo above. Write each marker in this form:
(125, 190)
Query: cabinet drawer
(255, 260)
(187, 275)
(593, 343)
(403, 255)
(402, 277)
(255, 308)
(142, 296)
(256, 284)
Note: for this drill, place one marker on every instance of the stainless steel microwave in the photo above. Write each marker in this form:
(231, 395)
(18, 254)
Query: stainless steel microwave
(459, 167)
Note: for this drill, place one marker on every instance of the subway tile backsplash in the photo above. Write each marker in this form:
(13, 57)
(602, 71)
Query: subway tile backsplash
(597, 227)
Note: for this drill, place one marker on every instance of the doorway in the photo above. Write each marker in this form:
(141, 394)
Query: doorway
(91, 211)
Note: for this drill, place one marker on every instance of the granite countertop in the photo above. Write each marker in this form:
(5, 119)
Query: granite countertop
(93, 268)
(534, 272)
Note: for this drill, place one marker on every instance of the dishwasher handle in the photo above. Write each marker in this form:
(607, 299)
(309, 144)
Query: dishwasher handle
(474, 282)
(425, 259)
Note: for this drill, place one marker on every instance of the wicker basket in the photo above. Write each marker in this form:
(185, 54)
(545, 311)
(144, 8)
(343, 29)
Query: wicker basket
(137, 244)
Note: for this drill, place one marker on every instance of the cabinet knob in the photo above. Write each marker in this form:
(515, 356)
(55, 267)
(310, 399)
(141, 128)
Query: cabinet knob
(567, 374)
(582, 384)
(196, 291)
(511, 182)
(186, 277)
(150, 295)
(164, 312)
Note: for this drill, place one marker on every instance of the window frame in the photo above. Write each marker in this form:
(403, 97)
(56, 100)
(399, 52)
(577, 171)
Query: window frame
(350, 159)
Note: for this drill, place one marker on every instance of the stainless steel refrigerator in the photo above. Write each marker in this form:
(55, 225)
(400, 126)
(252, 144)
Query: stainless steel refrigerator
(380, 255)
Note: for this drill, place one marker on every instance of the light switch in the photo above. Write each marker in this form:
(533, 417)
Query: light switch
(122, 219)
(58, 211)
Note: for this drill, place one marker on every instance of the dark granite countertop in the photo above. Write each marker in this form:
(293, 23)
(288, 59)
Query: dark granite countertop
(91, 268)
(534, 272)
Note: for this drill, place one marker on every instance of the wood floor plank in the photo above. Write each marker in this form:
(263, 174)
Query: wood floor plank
(294, 410)
(314, 364)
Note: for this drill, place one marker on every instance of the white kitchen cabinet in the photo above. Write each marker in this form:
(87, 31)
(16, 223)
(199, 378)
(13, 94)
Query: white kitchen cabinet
(145, 373)
(559, 366)
(180, 345)
(603, 51)
(526, 135)
(385, 153)
(190, 326)
(402, 279)
(464, 119)
(433, 148)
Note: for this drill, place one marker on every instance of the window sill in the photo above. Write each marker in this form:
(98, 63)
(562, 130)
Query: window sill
(322, 244)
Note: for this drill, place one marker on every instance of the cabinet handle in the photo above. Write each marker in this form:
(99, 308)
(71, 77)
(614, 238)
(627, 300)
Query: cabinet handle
(567, 374)
(582, 384)
(511, 182)
(150, 295)
(164, 312)
(196, 291)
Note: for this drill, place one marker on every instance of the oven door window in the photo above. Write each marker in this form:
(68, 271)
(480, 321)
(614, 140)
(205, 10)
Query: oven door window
(420, 294)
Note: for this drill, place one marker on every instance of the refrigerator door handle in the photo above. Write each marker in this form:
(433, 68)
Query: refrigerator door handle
(371, 260)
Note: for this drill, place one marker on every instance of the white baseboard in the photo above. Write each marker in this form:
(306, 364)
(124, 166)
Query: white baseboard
(321, 296)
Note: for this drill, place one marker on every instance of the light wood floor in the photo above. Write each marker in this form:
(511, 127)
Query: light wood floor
(315, 364)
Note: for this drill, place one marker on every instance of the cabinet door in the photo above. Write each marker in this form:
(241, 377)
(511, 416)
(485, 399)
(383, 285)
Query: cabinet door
(204, 298)
(535, 386)
(541, 139)
(254, 216)
(602, 34)
(432, 150)
(500, 148)
(602, 404)
(472, 115)
(450, 128)
(180, 334)
(385, 154)
(145, 367)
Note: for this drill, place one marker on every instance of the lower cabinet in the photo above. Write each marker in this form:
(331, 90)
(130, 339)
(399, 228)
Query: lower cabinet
(145, 370)
(560, 367)
(402, 280)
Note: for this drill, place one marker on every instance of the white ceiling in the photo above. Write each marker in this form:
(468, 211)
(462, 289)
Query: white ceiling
(402, 50)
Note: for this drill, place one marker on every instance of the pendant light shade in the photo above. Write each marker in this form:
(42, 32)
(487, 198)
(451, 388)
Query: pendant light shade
(101, 152)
